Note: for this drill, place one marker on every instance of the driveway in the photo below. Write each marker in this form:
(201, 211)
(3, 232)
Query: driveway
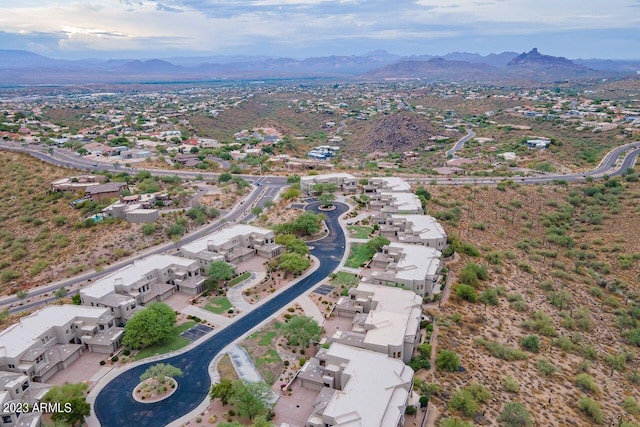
(114, 405)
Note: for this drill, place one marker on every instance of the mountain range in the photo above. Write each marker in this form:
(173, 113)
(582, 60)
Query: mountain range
(28, 68)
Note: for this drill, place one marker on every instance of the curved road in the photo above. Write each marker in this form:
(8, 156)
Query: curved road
(114, 405)
(259, 195)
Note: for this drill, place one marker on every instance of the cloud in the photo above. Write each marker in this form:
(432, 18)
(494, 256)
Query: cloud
(288, 27)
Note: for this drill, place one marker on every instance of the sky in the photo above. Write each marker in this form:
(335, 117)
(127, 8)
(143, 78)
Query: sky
(70, 29)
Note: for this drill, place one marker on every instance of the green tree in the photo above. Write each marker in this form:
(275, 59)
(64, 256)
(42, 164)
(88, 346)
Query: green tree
(76, 299)
(222, 390)
(152, 325)
(225, 177)
(160, 372)
(308, 223)
(220, 270)
(175, 230)
(72, 396)
(252, 398)
(301, 330)
(60, 293)
(515, 414)
(326, 200)
(377, 243)
(22, 294)
(292, 243)
(4, 315)
(293, 262)
(447, 361)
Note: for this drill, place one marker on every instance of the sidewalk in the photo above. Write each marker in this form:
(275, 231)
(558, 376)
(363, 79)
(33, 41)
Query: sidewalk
(243, 365)
(310, 308)
(234, 294)
(216, 319)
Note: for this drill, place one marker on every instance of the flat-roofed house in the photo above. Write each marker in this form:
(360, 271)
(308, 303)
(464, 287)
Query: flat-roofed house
(17, 388)
(387, 184)
(416, 229)
(50, 339)
(408, 266)
(154, 278)
(384, 204)
(234, 244)
(385, 319)
(345, 183)
(357, 387)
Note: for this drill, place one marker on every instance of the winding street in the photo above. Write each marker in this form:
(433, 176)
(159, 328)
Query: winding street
(114, 405)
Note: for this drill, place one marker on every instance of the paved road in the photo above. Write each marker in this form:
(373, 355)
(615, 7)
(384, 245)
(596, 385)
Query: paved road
(240, 213)
(114, 406)
(458, 145)
(268, 186)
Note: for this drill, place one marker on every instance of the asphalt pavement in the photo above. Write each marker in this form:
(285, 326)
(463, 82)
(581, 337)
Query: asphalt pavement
(114, 405)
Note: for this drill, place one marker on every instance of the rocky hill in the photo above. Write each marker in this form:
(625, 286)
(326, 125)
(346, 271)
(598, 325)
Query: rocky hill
(396, 132)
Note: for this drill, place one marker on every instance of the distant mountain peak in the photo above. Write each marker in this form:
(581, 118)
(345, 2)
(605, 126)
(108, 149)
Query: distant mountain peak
(535, 58)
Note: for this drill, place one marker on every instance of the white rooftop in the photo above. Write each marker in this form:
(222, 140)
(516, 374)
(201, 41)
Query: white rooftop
(427, 226)
(393, 183)
(418, 262)
(18, 338)
(374, 393)
(339, 175)
(132, 273)
(397, 312)
(405, 201)
(223, 236)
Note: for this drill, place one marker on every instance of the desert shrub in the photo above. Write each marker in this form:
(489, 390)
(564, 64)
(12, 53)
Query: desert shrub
(489, 297)
(546, 285)
(588, 352)
(530, 343)
(586, 383)
(464, 402)
(591, 408)
(473, 273)
(540, 323)
(564, 344)
(515, 414)
(510, 384)
(447, 361)
(501, 351)
(453, 422)
(630, 405)
(494, 257)
(479, 392)
(467, 293)
(546, 368)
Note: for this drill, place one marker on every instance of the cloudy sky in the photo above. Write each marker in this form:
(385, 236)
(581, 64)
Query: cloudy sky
(301, 28)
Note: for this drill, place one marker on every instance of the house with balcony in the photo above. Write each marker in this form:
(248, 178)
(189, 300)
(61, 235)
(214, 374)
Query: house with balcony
(384, 204)
(385, 320)
(345, 183)
(154, 278)
(407, 266)
(357, 387)
(18, 388)
(387, 184)
(234, 245)
(51, 339)
(422, 230)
